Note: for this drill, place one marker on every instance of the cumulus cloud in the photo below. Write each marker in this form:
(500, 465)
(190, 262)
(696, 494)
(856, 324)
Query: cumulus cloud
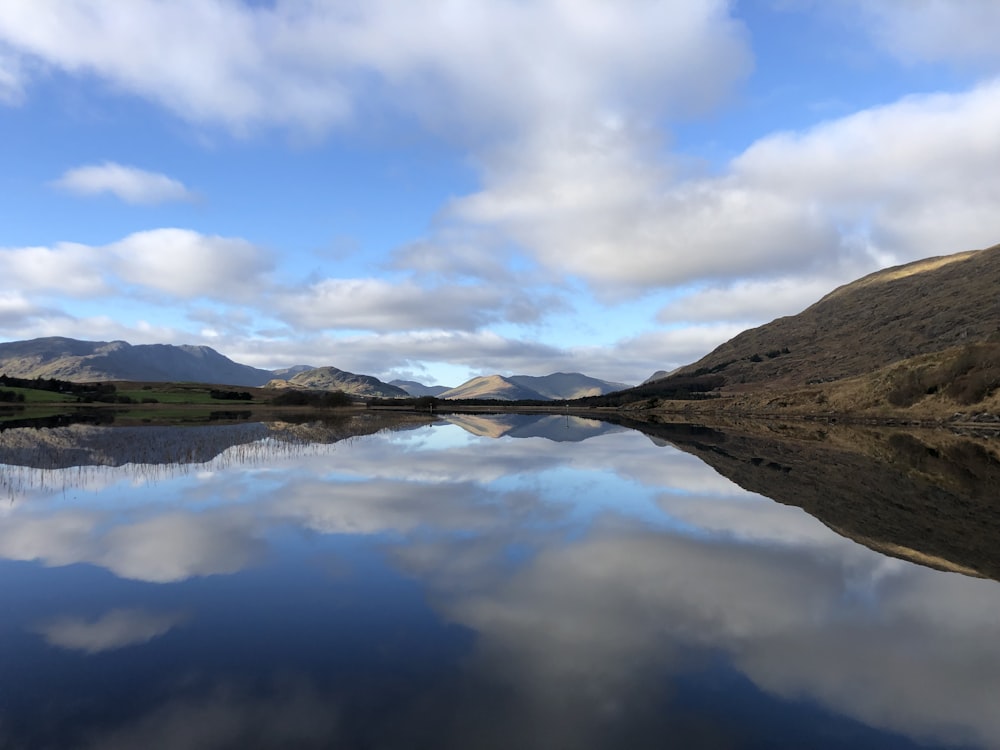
(177, 262)
(907, 180)
(188, 264)
(130, 184)
(67, 268)
(746, 301)
(16, 310)
(242, 65)
(889, 184)
(377, 305)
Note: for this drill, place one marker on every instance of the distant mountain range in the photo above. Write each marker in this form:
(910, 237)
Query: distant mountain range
(71, 359)
(559, 386)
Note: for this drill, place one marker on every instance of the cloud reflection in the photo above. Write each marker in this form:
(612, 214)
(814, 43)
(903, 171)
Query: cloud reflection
(577, 619)
(113, 630)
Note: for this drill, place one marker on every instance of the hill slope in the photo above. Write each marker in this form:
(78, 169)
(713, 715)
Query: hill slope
(419, 389)
(70, 359)
(891, 315)
(566, 385)
(494, 387)
(559, 386)
(922, 338)
(333, 379)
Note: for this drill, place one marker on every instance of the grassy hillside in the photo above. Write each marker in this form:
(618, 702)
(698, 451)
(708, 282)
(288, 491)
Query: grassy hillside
(923, 337)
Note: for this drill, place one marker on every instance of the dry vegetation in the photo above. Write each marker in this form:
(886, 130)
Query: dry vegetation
(918, 341)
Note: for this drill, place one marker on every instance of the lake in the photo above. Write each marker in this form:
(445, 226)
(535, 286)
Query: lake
(497, 581)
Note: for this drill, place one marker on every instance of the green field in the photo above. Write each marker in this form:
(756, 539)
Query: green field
(34, 396)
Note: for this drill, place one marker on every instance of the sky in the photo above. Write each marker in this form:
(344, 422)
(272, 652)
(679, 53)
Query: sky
(440, 189)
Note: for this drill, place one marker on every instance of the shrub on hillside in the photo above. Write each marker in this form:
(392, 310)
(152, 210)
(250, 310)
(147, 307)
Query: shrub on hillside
(317, 399)
(972, 375)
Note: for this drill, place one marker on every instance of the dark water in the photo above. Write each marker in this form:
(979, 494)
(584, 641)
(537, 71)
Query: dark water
(506, 582)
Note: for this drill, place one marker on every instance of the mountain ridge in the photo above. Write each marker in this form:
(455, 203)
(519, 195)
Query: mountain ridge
(76, 360)
(558, 386)
(334, 379)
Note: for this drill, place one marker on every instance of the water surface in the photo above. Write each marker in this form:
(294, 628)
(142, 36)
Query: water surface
(505, 581)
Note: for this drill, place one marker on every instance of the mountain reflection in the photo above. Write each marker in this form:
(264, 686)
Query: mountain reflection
(430, 588)
(926, 496)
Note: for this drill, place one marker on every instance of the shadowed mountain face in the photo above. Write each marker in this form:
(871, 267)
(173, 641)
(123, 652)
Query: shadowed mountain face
(69, 359)
(919, 308)
(930, 497)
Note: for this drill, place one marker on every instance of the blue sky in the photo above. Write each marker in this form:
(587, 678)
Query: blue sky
(436, 190)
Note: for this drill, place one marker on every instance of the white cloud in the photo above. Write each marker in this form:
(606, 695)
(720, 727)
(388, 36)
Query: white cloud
(16, 310)
(890, 184)
(377, 305)
(381, 353)
(130, 184)
(188, 264)
(177, 262)
(747, 302)
(225, 62)
(934, 30)
(113, 630)
(67, 268)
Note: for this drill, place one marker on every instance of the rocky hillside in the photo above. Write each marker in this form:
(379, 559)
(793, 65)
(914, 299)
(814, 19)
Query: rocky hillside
(80, 361)
(332, 379)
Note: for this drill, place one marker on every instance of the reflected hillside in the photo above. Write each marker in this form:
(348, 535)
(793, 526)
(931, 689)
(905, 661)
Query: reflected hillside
(930, 497)
(93, 445)
(560, 428)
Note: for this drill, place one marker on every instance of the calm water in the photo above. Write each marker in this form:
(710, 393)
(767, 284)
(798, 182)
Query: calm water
(508, 582)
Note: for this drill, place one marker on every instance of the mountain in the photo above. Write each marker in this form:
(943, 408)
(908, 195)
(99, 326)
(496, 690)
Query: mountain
(70, 359)
(419, 389)
(332, 379)
(558, 386)
(287, 372)
(927, 496)
(926, 332)
(493, 387)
